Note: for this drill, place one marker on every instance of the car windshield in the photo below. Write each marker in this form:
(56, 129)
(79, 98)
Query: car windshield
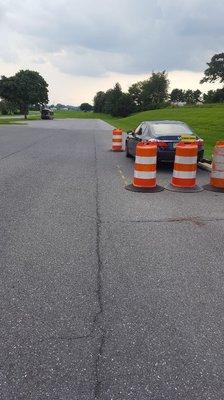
(170, 129)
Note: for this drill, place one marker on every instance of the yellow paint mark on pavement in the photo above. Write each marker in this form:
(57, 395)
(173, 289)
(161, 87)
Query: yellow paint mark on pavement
(122, 175)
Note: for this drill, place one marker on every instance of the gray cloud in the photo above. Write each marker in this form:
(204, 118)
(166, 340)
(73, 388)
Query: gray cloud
(94, 38)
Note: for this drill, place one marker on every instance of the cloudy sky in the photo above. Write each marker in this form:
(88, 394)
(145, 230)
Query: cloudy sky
(82, 46)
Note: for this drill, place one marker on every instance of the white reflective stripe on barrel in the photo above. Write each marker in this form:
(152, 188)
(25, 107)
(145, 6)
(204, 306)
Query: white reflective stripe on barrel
(218, 167)
(185, 160)
(145, 160)
(145, 174)
(219, 151)
(116, 144)
(217, 174)
(117, 137)
(184, 174)
(218, 159)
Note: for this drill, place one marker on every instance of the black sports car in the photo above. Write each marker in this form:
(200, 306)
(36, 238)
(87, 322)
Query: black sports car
(166, 133)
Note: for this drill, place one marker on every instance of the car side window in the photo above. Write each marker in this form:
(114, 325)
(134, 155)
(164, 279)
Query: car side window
(145, 131)
(138, 130)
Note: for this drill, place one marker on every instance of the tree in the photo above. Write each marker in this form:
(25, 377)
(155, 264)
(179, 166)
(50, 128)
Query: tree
(135, 92)
(177, 95)
(215, 70)
(125, 106)
(109, 102)
(59, 106)
(24, 88)
(155, 90)
(189, 96)
(7, 107)
(197, 95)
(86, 107)
(99, 102)
(114, 102)
(4, 107)
(214, 96)
(209, 97)
(112, 99)
(192, 96)
(7, 88)
(219, 96)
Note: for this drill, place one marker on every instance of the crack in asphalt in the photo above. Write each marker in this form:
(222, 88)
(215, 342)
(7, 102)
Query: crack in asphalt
(99, 285)
(196, 220)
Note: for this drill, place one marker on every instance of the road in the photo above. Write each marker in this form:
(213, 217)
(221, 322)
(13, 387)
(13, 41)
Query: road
(105, 294)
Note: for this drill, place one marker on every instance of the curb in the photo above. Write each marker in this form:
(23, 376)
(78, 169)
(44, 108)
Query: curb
(205, 166)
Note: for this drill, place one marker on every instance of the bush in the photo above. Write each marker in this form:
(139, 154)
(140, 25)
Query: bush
(86, 107)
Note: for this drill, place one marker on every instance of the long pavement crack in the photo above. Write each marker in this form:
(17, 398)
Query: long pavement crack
(97, 321)
(194, 219)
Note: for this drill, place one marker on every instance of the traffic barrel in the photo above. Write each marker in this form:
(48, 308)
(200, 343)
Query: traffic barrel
(145, 169)
(117, 140)
(185, 169)
(217, 174)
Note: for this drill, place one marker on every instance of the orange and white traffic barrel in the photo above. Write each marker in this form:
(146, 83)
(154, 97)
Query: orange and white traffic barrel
(117, 140)
(185, 168)
(217, 174)
(145, 169)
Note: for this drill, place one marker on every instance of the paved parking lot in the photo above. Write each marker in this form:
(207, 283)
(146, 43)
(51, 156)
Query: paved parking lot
(105, 294)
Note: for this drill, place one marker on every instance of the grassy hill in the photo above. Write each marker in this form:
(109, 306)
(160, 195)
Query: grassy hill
(207, 121)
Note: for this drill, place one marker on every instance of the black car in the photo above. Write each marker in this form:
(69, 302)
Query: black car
(166, 133)
(46, 113)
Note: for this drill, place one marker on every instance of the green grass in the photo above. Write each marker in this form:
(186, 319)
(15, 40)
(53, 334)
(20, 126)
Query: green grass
(11, 121)
(18, 119)
(207, 121)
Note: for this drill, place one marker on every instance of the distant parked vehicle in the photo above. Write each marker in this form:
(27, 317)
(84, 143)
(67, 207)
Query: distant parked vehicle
(46, 113)
(166, 133)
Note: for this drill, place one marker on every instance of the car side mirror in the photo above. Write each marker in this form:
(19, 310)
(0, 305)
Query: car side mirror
(140, 131)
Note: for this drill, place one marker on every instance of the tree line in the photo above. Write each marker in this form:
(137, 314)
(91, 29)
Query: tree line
(185, 96)
(196, 96)
(152, 93)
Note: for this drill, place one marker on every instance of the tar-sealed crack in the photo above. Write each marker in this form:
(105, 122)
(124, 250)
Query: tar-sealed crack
(97, 319)
(195, 220)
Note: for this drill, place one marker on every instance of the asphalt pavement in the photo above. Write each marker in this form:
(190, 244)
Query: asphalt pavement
(105, 294)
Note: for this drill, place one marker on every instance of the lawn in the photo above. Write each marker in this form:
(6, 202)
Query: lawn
(10, 121)
(80, 114)
(207, 121)
(18, 119)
